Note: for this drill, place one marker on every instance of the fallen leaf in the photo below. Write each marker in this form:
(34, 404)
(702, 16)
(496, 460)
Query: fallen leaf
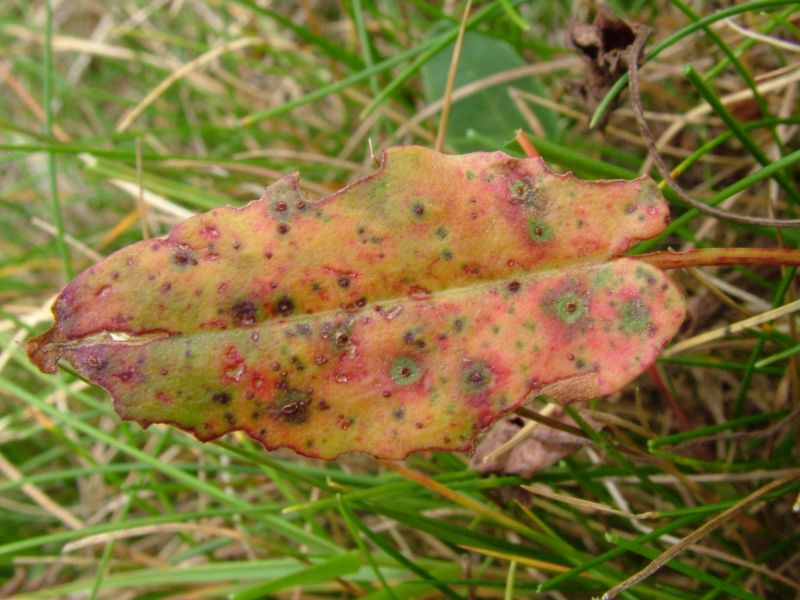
(541, 448)
(407, 311)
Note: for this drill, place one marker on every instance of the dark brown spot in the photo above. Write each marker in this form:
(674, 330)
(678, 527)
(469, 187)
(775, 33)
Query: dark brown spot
(183, 257)
(281, 206)
(344, 281)
(221, 398)
(291, 406)
(418, 209)
(244, 313)
(283, 228)
(284, 306)
(341, 339)
(513, 287)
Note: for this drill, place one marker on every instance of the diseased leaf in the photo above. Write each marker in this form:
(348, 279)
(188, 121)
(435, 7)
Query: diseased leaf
(408, 311)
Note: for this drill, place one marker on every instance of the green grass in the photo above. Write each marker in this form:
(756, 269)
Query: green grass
(99, 508)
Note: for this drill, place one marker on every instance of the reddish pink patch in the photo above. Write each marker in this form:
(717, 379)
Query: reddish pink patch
(209, 231)
(417, 292)
(126, 375)
(232, 365)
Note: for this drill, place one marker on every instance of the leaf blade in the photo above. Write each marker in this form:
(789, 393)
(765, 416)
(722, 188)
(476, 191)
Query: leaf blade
(408, 311)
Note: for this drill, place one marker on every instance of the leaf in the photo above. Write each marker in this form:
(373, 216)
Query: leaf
(489, 114)
(407, 311)
(541, 448)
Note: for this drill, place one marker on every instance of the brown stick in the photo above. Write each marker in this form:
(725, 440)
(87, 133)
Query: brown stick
(638, 112)
(717, 257)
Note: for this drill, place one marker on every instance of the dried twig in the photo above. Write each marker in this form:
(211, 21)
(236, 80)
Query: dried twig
(635, 50)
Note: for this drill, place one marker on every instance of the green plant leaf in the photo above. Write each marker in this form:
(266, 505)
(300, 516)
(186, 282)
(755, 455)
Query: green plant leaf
(408, 311)
(489, 115)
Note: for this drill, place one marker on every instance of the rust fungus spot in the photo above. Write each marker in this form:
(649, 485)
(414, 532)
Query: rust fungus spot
(291, 406)
(221, 398)
(244, 313)
(476, 376)
(570, 308)
(521, 190)
(341, 339)
(183, 257)
(284, 306)
(405, 371)
(97, 363)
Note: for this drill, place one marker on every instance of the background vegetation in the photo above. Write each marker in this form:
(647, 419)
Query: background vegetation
(118, 119)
